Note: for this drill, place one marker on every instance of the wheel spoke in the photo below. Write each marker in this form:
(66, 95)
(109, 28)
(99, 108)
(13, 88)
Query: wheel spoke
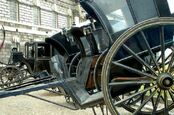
(7, 81)
(142, 98)
(152, 99)
(171, 95)
(134, 70)
(166, 112)
(133, 95)
(171, 62)
(159, 58)
(129, 102)
(156, 103)
(149, 50)
(169, 56)
(144, 102)
(172, 70)
(138, 58)
(129, 83)
(162, 47)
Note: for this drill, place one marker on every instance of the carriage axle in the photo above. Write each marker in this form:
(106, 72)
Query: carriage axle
(165, 81)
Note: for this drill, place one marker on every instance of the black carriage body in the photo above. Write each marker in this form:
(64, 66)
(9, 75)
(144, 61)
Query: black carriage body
(37, 56)
(63, 43)
(116, 16)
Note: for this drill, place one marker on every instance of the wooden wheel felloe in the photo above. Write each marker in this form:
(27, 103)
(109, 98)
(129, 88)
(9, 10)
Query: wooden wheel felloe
(97, 70)
(145, 83)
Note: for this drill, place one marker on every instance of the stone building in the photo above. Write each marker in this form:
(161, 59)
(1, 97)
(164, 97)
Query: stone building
(30, 20)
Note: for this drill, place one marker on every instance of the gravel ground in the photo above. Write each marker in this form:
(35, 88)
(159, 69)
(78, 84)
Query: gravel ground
(25, 105)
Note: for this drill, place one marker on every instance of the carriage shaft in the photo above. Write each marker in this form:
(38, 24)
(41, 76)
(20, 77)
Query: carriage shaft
(28, 89)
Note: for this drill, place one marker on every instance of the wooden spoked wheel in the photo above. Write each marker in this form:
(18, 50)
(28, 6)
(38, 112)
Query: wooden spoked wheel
(10, 76)
(137, 73)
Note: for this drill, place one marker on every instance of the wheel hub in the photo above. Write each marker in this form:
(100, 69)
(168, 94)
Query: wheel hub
(165, 81)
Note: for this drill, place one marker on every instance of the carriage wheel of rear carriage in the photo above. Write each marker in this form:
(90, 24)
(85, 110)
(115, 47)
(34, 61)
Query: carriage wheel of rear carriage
(73, 65)
(10, 76)
(137, 73)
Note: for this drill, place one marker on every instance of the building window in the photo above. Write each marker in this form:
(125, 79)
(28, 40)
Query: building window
(54, 20)
(13, 7)
(36, 15)
(25, 13)
(62, 21)
(46, 18)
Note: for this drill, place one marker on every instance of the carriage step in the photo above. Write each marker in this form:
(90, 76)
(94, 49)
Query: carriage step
(93, 99)
(80, 94)
(75, 90)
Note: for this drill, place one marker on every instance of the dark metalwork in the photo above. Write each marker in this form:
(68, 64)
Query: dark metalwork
(68, 107)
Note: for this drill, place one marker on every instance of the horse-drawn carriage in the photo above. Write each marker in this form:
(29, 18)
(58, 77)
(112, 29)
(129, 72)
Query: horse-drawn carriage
(29, 64)
(34, 61)
(126, 58)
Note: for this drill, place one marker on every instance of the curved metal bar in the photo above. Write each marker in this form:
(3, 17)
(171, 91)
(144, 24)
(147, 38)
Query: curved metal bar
(51, 102)
(72, 62)
(3, 41)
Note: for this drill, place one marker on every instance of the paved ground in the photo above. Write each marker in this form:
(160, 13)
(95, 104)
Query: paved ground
(25, 105)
